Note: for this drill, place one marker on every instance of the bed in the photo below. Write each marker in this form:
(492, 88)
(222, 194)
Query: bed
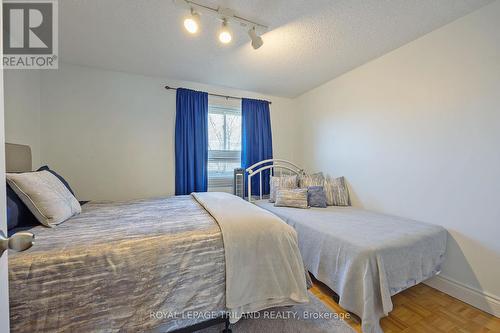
(159, 265)
(365, 257)
(124, 265)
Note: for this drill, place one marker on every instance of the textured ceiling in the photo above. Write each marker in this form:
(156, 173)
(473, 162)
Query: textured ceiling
(308, 43)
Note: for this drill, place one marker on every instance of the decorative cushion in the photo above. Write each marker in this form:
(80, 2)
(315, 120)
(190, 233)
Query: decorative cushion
(296, 198)
(337, 193)
(46, 167)
(316, 196)
(18, 215)
(315, 179)
(45, 196)
(283, 182)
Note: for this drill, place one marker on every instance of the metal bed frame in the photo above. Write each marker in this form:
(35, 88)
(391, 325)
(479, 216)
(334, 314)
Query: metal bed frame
(276, 167)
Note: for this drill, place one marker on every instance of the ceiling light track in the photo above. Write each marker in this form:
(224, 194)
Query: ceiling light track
(192, 22)
(222, 12)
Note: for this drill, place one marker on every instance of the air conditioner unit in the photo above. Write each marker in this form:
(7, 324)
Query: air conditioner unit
(239, 182)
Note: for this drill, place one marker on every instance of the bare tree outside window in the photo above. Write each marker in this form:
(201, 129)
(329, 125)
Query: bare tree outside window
(224, 145)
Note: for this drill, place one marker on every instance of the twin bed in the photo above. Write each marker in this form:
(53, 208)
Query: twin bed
(363, 256)
(169, 263)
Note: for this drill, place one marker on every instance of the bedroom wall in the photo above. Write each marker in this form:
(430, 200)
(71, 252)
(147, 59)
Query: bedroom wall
(112, 134)
(417, 132)
(22, 110)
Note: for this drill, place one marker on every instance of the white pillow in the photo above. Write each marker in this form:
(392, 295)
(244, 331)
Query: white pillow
(45, 196)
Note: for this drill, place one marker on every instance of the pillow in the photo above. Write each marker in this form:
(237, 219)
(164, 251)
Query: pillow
(316, 196)
(45, 196)
(18, 215)
(46, 167)
(296, 198)
(316, 179)
(283, 182)
(337, 193)
(12, 210)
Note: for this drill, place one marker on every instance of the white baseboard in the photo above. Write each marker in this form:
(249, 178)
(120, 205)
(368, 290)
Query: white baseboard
(479, 299)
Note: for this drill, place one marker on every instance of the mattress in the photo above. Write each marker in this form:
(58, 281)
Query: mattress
(365, 257)
(146, 265)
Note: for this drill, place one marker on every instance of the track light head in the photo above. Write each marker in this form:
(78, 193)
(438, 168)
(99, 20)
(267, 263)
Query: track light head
(225, 35)
(192, 22)
(256, 40)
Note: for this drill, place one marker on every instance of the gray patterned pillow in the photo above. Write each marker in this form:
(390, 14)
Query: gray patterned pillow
(316, 196)
(296, 198)
(337, 193)
(45, 196)
(315, 179)
(283, 182)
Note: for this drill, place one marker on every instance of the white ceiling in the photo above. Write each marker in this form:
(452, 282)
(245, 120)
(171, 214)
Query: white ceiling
(309, 42)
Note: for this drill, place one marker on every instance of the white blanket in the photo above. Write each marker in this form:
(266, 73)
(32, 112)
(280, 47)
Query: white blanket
(263, 264)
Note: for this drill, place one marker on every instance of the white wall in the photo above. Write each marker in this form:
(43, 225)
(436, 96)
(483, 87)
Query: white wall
(417, 133)
(22, 110)
(111, 134)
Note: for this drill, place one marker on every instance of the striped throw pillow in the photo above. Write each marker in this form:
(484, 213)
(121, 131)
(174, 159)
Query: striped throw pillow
(296, 198)
(337, 193)
(283, 182)
(315, 179)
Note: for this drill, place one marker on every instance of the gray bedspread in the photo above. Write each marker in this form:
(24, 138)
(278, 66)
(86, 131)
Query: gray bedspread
(149, 265)
(365, 257)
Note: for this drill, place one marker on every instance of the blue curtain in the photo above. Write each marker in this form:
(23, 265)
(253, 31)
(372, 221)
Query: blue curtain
(191, 142)
(256, 139)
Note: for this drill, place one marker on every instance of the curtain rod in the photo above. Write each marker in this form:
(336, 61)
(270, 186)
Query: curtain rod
(226, 97)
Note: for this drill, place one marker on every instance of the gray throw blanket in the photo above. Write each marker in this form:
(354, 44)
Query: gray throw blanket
(264, 267)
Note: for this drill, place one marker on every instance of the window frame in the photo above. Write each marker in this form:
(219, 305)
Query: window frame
(231, 156)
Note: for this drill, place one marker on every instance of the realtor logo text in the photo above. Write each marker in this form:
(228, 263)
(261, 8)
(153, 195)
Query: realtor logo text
(30, 34)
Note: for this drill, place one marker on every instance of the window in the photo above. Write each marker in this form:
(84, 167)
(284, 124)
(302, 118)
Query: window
(224, 145)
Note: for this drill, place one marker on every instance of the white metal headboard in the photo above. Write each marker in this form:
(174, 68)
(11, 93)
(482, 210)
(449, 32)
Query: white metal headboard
(276, 167)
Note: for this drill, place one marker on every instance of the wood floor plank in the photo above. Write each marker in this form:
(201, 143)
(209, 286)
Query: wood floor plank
(421, 309)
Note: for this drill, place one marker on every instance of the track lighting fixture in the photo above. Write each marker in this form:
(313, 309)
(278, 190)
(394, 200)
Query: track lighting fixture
(256, 40)
(224, 33)
(192, 22)
(226, 15)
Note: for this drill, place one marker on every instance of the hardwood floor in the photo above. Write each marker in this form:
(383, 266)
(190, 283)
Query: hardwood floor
(422, 309)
